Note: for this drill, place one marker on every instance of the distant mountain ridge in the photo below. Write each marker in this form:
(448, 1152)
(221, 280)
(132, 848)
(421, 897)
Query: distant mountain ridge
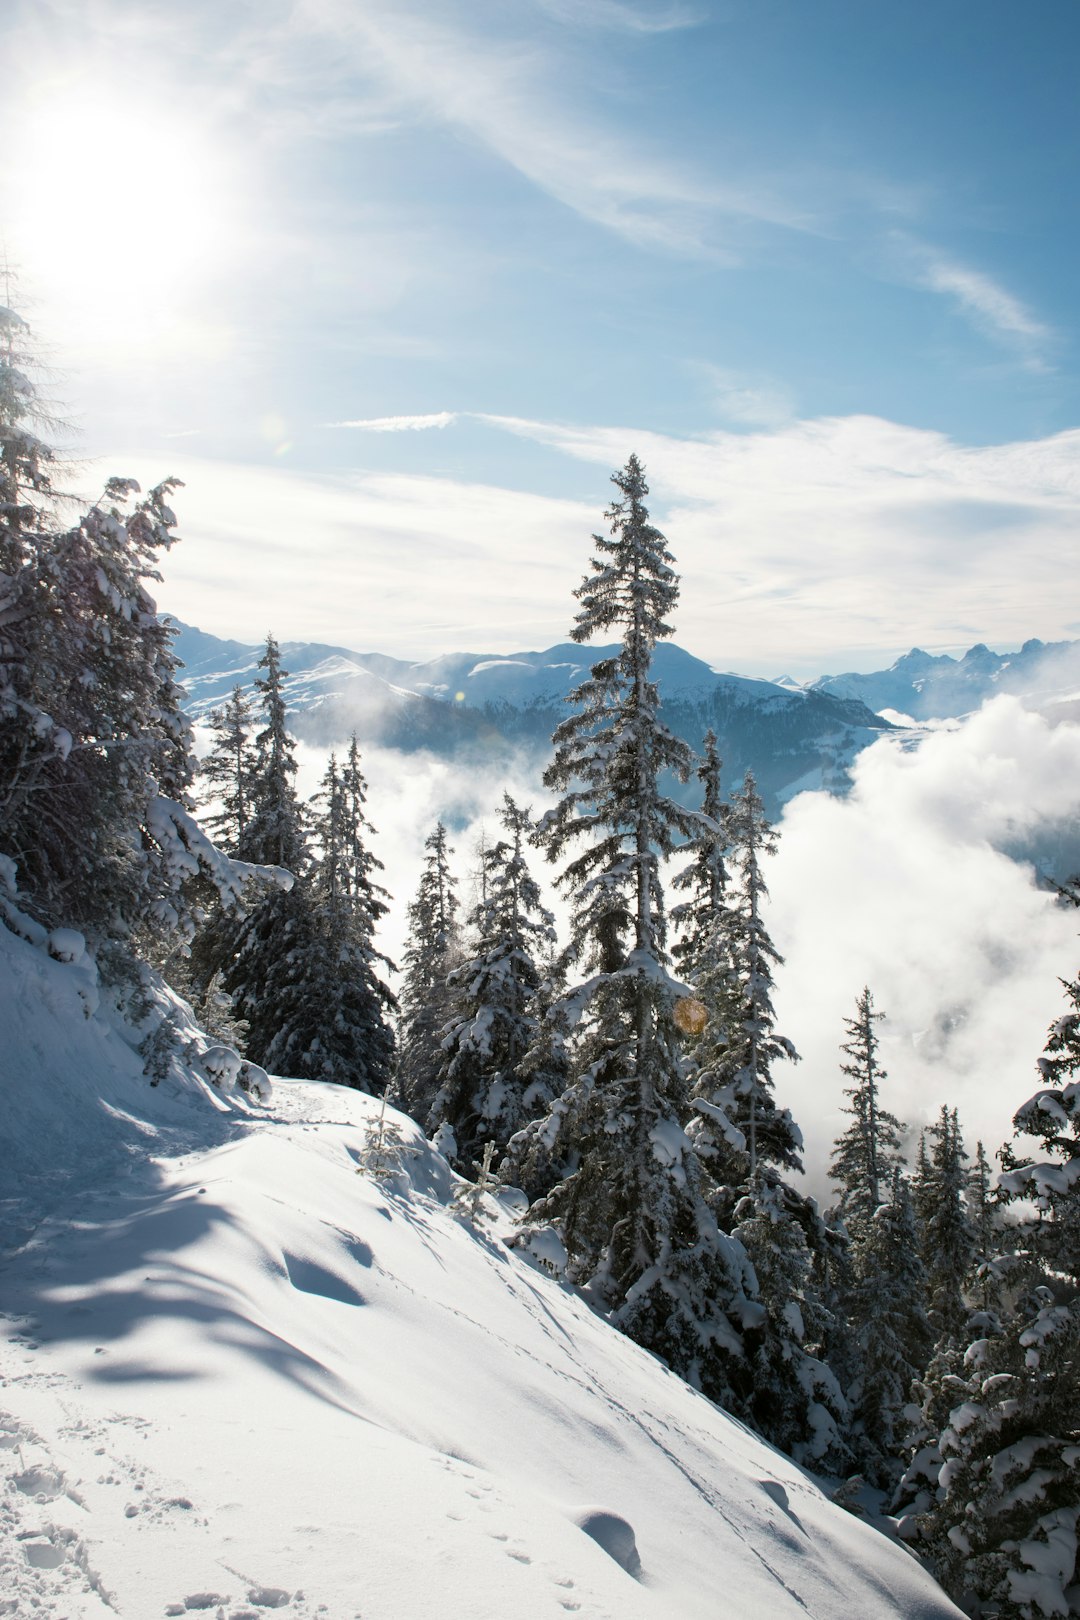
(929, 686)
(476, 707)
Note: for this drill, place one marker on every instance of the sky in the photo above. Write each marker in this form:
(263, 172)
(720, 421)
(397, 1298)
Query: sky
(394, 285)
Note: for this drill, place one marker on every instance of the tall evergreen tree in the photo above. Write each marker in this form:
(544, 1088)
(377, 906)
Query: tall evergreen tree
(867, 1153)
(632, 1212)
(485, 1094)
(228, 771)
(793, 1397)
(431, 953)
(704, 879)
(262, 955)
(93, 739)
(948, 1242)
(892, 1330)
(1001, 1530)
(275, 834)
(343, 1005)
(742, 1134)
(1052, 1115)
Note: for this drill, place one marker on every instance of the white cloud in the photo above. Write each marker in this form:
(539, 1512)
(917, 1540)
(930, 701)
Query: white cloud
(839, 542)
(903, 887)
(982, 300)
(983, 297)
(400, 424)
(511, 94)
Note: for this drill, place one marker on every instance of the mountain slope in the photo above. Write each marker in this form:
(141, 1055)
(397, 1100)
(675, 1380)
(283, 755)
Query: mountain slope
(243, 1378)
(472, 706)
(937, 687)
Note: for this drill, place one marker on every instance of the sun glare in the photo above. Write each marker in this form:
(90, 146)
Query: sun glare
(120, 217)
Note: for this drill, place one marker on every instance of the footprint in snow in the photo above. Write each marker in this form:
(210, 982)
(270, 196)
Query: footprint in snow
(42, 1553)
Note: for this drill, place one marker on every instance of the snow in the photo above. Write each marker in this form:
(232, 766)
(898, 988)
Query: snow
(240, 1377)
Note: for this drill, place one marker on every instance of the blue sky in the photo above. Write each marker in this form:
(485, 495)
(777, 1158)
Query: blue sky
(814, 262)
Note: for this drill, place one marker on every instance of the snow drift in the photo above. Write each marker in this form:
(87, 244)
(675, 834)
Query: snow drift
(243, 1375)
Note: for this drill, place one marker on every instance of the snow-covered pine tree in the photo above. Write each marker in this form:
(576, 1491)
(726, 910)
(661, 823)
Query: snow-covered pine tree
(948, 1242)
(432, 951)
(867, 1153)
(703, 951)
(228, 771)
(791, 1395)
(92, 733)
(632, 1212)
(337, 1006)
(740, 1129)
(892, 1331)
(1001, 1530)
(704, 878)
(275, 832)
(261, 955)
(1053, 1116)
(483, 1093)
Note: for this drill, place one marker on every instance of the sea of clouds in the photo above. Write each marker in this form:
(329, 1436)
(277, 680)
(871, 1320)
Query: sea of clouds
(922, 884)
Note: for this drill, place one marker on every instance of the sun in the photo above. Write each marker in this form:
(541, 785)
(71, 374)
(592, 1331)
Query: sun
(118, 214)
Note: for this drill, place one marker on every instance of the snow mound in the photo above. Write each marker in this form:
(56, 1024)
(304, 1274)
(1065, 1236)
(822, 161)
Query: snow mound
(241, 1374)
(612, 1532)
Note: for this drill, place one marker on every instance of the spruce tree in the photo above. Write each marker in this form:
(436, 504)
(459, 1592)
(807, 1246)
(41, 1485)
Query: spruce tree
(631, 1211)
(892, 1330)
(867, 1153)
(792, 1397)
(484, 1093)
(948, 1241)
(704, 880)
(95, 756)
(343, 1004)
(744, 1138)
(228, 771)
(262, 955)
(1001, 1530)
(431, 953)
(1052, 1115)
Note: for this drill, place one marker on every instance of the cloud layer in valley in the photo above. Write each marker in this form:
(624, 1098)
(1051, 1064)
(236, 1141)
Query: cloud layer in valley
(904, 885)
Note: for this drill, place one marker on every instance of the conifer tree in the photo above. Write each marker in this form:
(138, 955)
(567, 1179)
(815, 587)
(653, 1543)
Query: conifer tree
(704, 879)
(94, 747)
(631, 1210)
(793, 1398)
(275, 833)
(262, 955)
(484, 1094)
(1052, 1115)
(741, 1132)
(892, 1331)
(431, 953)
(1000, 1531)
(948, 1243)
(228, 771)
(867, 1153)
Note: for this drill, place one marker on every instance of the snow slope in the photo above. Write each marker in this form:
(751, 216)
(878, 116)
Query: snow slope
(241, 1378)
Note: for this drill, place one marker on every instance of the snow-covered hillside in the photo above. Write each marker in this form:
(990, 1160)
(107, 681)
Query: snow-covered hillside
(241, 1377)
(931, 686)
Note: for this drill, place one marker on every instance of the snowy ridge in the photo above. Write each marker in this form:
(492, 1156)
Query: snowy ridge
(240, 1377)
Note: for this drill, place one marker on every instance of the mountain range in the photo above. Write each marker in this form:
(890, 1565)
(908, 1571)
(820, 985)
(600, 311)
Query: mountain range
(929, 686)
(476, 707)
